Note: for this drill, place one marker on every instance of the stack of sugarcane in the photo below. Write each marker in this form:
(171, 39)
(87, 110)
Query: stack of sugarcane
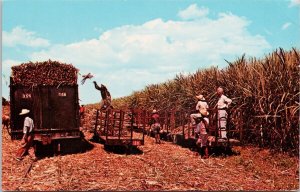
(265, 94)
(49, 72)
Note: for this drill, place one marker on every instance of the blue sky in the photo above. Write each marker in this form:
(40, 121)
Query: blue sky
(132, 43)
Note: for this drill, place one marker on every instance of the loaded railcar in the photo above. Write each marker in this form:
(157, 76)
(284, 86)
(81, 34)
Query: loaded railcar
(49, 90)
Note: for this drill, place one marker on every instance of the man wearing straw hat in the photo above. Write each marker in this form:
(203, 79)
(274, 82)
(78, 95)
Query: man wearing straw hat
(27, 140)
(201, 119)
(222, 105)
(201, 109)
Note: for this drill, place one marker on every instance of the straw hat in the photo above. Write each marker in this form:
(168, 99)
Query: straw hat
(24, 111)
(200, 97)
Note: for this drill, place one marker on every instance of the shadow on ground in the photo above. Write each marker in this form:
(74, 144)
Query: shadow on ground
(123, 150)
(63, 147)
(118, 149)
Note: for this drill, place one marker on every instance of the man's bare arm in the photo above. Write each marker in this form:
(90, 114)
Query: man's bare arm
(96, 86)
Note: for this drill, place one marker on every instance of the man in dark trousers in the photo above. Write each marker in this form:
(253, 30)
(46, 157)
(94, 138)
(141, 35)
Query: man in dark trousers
(106, 97)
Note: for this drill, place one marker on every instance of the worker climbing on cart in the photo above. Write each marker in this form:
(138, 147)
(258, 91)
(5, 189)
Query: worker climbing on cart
(106, 97)
(155, 125)
(222, 106)
(201, 120)
(28, 136)
(201, 109)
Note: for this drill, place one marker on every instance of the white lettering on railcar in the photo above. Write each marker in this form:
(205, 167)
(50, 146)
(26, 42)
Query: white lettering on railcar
(26, 96)
(62, 94)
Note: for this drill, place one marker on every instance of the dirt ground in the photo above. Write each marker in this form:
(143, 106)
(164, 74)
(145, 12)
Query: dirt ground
(159, 167)
(156, 167)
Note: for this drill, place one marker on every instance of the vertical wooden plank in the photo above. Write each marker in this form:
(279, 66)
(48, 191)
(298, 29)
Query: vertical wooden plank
(120, 123)
(106, 123)
(96, 124)
(123, 119)
(165, 120)
(131, 130)
(144, 127)
(188, 123)
(114, 121)
(182, 123)
(100, 118)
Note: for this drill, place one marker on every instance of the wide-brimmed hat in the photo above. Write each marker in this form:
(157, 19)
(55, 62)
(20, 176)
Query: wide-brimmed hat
(24, 111)
(200, 97)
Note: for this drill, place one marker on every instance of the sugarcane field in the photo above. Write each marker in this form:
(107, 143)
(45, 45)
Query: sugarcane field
(115, 148)
(150, 95)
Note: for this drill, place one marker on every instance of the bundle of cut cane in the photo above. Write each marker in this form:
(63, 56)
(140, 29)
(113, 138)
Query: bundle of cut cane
(44, 73)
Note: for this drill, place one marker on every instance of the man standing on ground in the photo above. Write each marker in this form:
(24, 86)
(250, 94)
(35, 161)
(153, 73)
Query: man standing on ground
(27, 140)
(155, 125)
(222, 105)
(81, 111)
(81, 114)
(203, 136)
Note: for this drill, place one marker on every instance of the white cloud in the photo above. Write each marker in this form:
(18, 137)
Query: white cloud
(20, 36)
(286, 25)
(129, 57)
(193, 12)
(7, 64)
(294, 3)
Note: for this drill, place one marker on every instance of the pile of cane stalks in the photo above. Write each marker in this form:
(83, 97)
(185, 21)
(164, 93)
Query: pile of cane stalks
(49, 72)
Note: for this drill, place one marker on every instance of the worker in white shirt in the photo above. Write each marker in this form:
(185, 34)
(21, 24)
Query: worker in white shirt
(222, 105)
(201, 109)
(28, 136)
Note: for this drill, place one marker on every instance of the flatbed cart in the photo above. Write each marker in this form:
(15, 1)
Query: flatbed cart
(115, 127)
(186, 137)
